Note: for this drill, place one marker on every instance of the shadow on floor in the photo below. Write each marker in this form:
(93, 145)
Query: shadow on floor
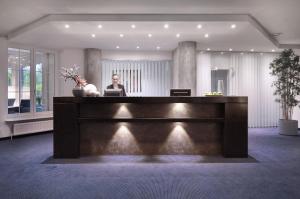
(108, 159)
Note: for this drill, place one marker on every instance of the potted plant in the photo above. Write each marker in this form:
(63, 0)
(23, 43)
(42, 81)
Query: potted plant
(287, 70)
(72, 73)
(82, 88)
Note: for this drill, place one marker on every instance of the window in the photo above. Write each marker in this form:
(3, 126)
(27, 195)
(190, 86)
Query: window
(29, 84)
(18, 80)
(44, 63)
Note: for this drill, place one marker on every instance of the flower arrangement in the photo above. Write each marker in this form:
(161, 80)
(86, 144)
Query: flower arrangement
(82, 88)
(72, 73)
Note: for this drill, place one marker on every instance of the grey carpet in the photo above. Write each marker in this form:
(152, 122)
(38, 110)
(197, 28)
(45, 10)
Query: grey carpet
(273, 171)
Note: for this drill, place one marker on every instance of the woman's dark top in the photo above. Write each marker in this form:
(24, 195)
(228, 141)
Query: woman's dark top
(120, 86)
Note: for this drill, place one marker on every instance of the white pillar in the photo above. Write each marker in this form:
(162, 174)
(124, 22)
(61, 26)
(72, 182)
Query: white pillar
(184, 66)
(93, 69)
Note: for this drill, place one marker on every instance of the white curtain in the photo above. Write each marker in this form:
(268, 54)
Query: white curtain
(140, 78)
(249, 75)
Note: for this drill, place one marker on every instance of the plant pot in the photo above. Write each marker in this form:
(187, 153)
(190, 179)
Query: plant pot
(78, 91)
(288, 127)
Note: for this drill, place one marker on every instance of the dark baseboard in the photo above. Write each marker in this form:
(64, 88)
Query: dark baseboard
(26, 135)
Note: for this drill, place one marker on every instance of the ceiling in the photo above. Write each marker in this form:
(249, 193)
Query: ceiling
(79, 35)
(279, 16)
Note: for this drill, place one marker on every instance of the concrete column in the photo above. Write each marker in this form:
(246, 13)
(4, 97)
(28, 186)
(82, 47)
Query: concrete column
(93, 66)
(184, 66)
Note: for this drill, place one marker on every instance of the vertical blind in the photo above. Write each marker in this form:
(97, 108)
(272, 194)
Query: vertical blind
(249, 75)
(140, 78)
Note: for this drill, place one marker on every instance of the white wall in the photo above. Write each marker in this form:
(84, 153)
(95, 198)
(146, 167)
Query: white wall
(203, 73)
(249, 75)
(136, 55)
(67, 58)
(296, 113)
(4, 129)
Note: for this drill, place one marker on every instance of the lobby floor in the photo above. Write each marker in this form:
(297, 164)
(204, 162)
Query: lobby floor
(272, 171)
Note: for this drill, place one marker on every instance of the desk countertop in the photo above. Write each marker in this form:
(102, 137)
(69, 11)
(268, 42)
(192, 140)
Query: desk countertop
(217, 99)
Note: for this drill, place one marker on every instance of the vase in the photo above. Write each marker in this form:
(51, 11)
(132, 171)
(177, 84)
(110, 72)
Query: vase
(78, 91)
(288, 127)
(220, 88)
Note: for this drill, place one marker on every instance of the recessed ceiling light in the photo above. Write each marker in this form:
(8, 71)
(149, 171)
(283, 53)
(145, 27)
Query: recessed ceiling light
(121, 35)
(208, 49)
(233, 26)
(157, 47)
(93, 35)
(149, 35)
(166, 26)
(252, 50)
(133, 26)
(99, 26)
(206, 35)
(273, 50)
(67, 26)
(177, 35)
(230, 49)
(137, 47)
(199, 26)
(117, 47)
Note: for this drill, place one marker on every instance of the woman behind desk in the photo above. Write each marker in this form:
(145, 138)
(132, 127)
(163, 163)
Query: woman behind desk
(115, 84)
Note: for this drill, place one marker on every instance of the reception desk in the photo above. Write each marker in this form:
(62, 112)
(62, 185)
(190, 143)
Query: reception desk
(150, 126)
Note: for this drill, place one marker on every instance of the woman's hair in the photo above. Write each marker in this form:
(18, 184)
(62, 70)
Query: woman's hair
(115, 74)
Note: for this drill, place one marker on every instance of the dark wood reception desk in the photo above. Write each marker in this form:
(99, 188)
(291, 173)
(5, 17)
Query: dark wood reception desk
(150, 126)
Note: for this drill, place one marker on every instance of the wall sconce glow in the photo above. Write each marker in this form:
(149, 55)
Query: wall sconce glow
(261, 53)
(149, 35)
(121, 35)
(179, 107)
(252, 50)
(137, 47)
(123, 131)
(208, 49)
(99, 26)
(117, 47)
(67, 26)
(177, 35)
(230, 49)
(206, 35)
(178, 110)
(133, 26)
(242, 53)
(222, 53)
(166, 26)
(273, 50)
(179, 140)
(233, 26)
(157, 47)
(199, 26)
(93, 35)
(122, 142)
(123, 112)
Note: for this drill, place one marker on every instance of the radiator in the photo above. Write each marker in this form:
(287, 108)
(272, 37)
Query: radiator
(32, 127)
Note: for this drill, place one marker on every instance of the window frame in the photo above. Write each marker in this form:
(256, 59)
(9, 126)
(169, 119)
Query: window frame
(33, 51)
